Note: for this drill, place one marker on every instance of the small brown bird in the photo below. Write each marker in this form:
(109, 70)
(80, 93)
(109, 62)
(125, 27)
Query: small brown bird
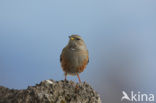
(74, 57)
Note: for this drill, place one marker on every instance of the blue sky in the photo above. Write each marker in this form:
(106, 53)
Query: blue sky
(120, 36)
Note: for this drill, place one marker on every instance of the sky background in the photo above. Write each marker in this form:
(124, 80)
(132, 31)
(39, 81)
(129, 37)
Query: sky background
(120, 36)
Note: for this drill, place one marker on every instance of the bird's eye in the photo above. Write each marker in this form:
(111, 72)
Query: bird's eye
(77, 39)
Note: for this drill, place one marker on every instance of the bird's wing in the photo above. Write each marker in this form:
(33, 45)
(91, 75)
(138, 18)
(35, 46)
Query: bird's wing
(88, 56)
(61, 58)
(62, 54)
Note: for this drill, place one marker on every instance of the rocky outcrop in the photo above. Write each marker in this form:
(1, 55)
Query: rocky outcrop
(50, 91)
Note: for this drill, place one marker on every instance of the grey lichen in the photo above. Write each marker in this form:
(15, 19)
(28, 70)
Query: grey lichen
(50, 91)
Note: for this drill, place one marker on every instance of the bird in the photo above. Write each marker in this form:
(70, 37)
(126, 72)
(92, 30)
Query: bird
(74, 56)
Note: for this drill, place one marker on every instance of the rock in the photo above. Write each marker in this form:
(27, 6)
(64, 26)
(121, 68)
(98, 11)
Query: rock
(50, 91)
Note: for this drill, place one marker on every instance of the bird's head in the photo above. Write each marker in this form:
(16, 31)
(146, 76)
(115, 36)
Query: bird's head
(75, 41)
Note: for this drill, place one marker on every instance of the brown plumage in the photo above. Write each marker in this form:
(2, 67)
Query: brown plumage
(74, 57)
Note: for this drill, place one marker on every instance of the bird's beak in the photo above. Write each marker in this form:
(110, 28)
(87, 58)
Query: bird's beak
(71, 38)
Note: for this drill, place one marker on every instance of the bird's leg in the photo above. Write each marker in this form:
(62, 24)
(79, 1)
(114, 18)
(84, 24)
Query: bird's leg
(65, 77)
(79, 78)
